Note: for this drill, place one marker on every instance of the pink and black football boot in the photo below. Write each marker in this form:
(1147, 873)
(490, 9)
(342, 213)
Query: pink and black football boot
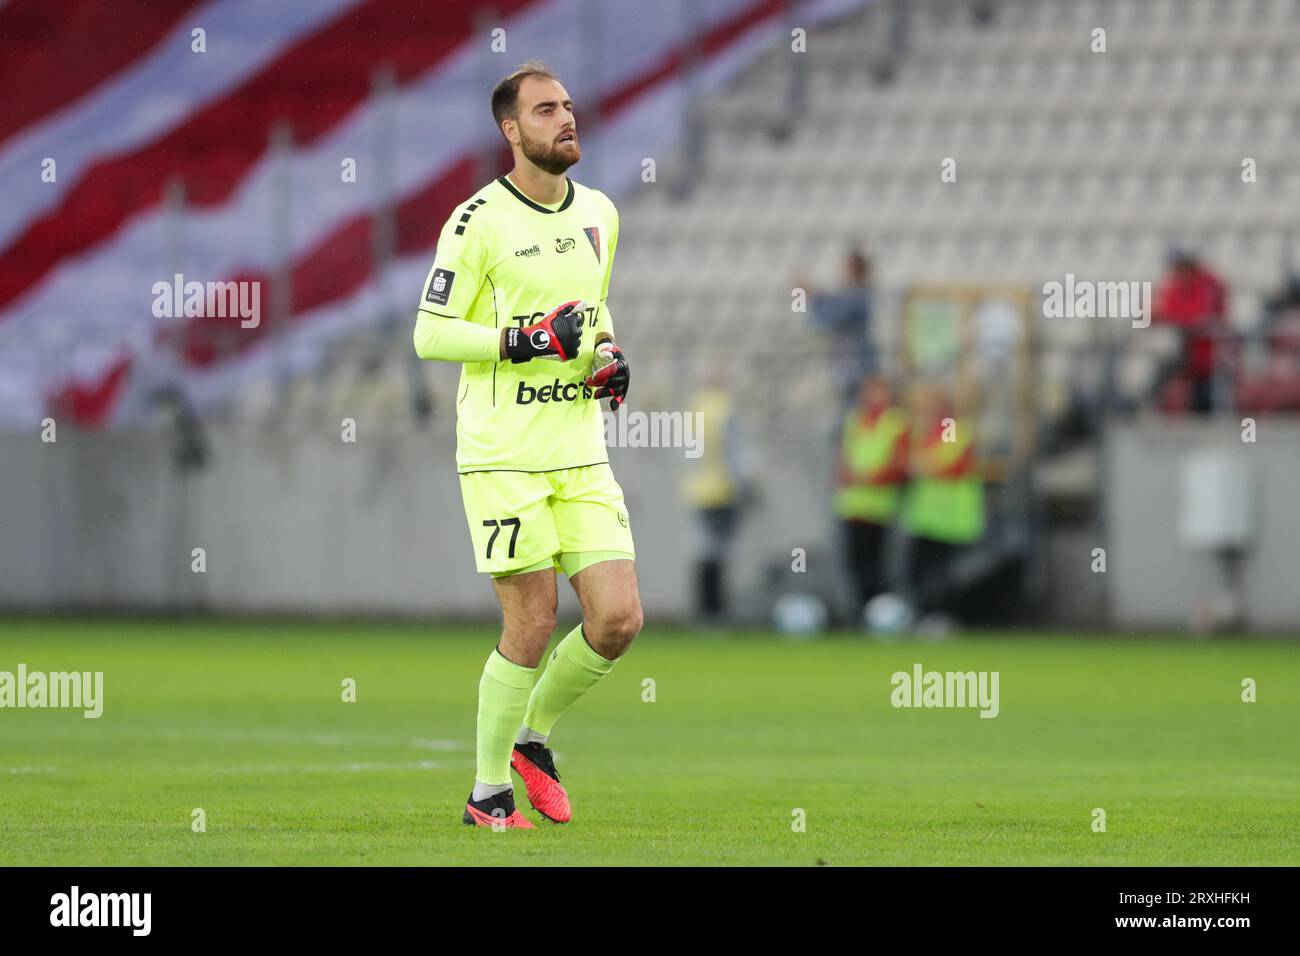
(534, 762)
(496, 811)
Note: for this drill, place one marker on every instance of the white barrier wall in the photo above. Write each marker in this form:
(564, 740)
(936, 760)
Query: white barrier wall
(302, 522)
(305, 522)
(1156, 580)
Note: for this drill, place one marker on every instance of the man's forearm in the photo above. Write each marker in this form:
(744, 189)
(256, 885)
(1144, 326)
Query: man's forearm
(455, 340)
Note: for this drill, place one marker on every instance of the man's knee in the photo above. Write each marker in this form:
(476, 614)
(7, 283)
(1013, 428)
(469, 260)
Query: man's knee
(616, 629)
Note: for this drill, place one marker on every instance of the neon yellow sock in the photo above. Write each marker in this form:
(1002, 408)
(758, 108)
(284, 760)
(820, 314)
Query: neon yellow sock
(502, 698)
(574, 669)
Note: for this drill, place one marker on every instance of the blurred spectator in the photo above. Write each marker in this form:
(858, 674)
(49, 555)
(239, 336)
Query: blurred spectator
(1272, 382)
(870, 471)
(1285, 299)
(846, 315)
(1194, 299)
(718, 488)
(944, 507)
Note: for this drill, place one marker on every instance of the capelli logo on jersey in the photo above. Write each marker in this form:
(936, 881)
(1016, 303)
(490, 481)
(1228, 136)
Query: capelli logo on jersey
(564, 245)
(533, 250)
(554, 392)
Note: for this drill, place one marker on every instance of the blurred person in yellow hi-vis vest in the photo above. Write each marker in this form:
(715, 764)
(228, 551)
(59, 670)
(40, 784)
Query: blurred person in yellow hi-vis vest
(943, 511)
(870, 470)
(717, 487)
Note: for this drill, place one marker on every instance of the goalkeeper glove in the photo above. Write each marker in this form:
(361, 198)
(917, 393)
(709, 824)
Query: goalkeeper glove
(559, 333)
(611, 379)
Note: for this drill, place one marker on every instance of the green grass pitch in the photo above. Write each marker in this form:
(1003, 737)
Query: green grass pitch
(245, 720)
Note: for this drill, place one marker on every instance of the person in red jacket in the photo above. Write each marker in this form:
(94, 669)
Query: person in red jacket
(1191, 297)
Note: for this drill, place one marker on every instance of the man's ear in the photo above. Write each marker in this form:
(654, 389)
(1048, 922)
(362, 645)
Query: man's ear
(509, 126)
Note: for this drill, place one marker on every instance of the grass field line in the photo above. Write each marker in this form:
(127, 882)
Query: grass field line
(352, 767)
(280, 736)
(322, 740)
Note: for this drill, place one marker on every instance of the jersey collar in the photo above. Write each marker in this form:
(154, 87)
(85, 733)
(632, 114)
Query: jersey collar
(568, 196)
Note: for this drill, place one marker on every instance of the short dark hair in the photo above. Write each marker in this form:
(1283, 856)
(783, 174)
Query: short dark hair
(505, 97)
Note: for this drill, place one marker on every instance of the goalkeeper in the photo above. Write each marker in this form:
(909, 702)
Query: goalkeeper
(517, 295)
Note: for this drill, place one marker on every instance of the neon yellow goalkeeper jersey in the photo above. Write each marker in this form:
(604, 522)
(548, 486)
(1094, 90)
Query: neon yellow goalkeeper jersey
(503, 258)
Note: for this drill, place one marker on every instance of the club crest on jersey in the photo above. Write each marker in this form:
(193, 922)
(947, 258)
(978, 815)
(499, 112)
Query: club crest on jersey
(593, 236)
(564, 245)
(440, 286)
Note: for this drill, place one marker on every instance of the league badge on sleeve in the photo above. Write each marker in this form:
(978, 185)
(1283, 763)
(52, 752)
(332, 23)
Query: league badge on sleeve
(440, 286)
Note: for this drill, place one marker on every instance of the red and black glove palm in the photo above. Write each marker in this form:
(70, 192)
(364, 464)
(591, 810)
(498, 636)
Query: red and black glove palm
(611, 380)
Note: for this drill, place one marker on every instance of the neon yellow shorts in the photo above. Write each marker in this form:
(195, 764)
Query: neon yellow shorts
(524, 521)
